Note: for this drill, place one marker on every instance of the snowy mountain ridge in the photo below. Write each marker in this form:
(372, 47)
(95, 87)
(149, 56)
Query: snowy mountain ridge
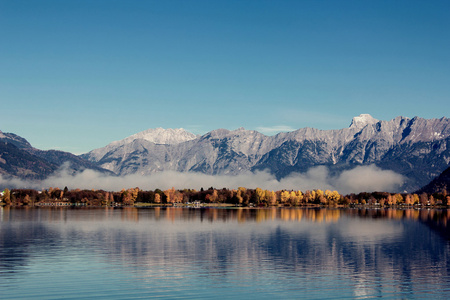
(362, 120)
(417, 148)
(157, 136)
(160, 136)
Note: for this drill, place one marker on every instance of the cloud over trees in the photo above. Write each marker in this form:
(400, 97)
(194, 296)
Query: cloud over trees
(360, 179)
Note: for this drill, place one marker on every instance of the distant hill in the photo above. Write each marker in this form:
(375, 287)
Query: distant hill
(15, 162)
(14, 139)
(439, 184)
(18, 159)
(76, 163)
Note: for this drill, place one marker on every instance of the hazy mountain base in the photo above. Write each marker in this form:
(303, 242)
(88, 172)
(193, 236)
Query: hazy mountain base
(361, 178)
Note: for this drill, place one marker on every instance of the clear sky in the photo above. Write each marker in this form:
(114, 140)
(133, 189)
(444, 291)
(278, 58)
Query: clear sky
(76, 75)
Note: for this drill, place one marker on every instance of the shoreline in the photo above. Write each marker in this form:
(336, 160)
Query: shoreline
(225, 205)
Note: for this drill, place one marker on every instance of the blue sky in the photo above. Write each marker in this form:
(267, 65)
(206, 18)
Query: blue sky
(76, 75)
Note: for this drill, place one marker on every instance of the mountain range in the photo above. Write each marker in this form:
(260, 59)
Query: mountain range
(417, 148)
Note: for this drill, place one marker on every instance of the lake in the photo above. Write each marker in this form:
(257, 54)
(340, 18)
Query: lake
(188, 253)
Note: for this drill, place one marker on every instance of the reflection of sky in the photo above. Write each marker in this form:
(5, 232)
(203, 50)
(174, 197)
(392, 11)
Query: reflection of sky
(196, 256)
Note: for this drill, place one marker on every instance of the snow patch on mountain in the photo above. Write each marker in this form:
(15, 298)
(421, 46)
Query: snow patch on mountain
(158, 136)
(362, 121)
(161, 136)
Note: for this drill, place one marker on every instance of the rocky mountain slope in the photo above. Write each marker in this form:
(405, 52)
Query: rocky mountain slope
(15, 162)
(14, 139)
(19, 159)
(417, 148)
(439, 184)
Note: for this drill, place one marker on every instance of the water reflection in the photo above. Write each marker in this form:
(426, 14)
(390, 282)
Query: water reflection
(282, 253)
(49, 214)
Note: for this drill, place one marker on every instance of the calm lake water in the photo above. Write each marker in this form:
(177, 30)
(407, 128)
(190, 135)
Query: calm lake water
(63, 253)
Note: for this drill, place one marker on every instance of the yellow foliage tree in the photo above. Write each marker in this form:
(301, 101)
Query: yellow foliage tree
(272, 199)
(409, 199)
(170, 195)
(284, 197)
(214, 196)
(294, 199)
(398, 198)
(415, 199)
(300, 195)
(332, 196)
(312, 195)
(319, 194)
(6, 197)
(260, 195)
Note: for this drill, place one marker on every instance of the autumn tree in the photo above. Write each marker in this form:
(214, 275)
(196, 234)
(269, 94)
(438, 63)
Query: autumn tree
(300, 196)
(319, 193)
(214, 197)
(173, 196)
(415, 199)
(320, 197)
(423, 198)
(272, 198)
(332, 197)
(170, 195)
(105, 199)
(260, 195)
(284, 197)
(129, 196)
(312, 196)
(390, 200)
(398, 199)
(27, 200)
(409, 199)
(241, 194)
(157, 198)
(6, 197)
(293, 198)
(307, 197)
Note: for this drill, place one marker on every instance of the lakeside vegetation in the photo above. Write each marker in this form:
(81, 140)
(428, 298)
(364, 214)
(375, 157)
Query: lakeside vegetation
(242, 197)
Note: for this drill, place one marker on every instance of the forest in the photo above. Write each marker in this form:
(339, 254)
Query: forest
(237, 197)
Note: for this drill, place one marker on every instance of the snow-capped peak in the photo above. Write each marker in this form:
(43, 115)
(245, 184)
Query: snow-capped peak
(362, 121)
(156, 135)
(162, 136)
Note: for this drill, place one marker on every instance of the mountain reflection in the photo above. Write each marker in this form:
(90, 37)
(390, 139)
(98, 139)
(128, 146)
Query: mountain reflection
(384, 247)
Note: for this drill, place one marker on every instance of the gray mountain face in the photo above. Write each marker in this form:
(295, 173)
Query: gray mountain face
(440, 184)
(416, 148)
(18, 159)
(14, 139)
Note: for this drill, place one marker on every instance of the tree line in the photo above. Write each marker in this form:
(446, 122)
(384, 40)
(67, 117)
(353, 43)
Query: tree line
(239, 197)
